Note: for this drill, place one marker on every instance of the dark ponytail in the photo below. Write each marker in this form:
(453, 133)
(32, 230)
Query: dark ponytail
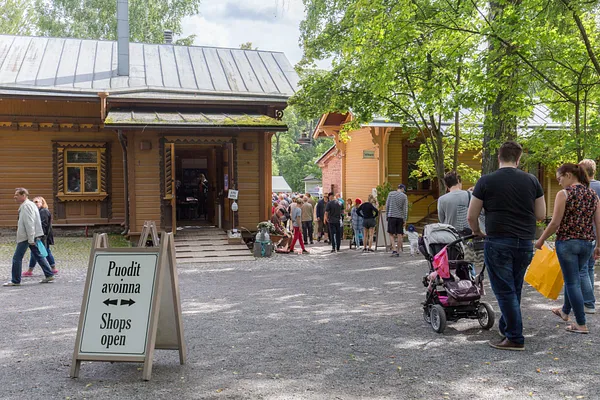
(577, 171)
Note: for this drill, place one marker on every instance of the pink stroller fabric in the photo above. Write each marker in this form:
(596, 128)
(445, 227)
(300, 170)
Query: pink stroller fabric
(440, 263)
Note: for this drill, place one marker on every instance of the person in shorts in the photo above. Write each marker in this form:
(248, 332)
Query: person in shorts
(396, 211)
(369, 213)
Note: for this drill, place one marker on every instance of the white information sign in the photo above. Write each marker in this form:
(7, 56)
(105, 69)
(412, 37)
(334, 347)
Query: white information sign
(232, 194)
(131, 304)
(119, 303)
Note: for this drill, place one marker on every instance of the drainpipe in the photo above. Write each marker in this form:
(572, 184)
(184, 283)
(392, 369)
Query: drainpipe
(123, 141)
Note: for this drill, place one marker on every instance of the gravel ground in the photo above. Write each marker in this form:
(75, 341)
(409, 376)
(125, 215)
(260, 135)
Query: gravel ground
(319, 326)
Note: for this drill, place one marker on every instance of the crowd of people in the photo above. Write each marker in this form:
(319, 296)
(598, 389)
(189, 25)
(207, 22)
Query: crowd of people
(294, 216)
(512, 201)
(501, 211)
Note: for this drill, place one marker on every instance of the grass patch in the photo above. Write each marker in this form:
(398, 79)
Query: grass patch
(67, 251)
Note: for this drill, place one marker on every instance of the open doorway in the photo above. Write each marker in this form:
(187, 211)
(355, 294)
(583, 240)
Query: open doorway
(196, 184)
(196, 179)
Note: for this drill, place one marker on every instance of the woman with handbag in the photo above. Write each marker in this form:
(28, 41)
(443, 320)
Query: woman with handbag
(46, 217)
(576, 211)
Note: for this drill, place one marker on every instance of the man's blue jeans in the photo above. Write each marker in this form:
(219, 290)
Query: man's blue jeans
(574, 256)
(507, 260)
(589, 299)
(17, 262)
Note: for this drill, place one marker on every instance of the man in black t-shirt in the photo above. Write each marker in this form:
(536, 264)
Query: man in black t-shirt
(513, 201)
(333, 218)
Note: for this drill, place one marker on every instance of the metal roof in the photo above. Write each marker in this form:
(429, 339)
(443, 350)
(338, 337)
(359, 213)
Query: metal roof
(540, 118)
(279, 184)
(58, 66)
(161, 118)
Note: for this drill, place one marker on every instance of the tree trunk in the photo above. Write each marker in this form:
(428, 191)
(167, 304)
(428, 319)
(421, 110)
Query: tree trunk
(440, 167)
(456, 125)
(578, 130)
(498, 125)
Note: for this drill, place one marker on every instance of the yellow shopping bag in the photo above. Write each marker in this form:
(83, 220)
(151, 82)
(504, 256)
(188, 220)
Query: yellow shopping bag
(544, 273)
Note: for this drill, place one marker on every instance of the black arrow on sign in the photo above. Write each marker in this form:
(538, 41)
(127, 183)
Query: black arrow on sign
(109, 301)
(127, 302)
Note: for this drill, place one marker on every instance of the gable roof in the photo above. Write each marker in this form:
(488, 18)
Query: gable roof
(58, 66)
(279, 184)
(325, 154)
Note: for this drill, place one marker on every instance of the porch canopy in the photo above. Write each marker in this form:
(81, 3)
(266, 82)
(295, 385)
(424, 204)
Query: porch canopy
(182, 119)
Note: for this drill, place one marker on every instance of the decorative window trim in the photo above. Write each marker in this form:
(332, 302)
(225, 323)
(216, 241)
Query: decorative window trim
(61, 149)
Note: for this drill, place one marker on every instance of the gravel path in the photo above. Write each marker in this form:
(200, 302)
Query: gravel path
(322, 326)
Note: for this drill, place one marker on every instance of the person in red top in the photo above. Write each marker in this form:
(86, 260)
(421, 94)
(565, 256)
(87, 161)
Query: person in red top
(576, 211)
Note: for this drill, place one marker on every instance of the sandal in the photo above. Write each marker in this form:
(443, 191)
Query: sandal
(574, 328)
(559, 312)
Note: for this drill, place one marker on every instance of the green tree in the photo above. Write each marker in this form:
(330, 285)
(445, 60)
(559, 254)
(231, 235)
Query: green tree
(295, 161)
(17, 17)
(97, 19)
(389, 59)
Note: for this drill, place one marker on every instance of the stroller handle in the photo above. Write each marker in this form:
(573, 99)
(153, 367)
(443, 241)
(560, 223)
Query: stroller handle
(461, 239)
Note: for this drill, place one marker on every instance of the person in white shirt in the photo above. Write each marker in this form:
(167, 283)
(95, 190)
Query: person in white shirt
(29, 231)
(413, 239)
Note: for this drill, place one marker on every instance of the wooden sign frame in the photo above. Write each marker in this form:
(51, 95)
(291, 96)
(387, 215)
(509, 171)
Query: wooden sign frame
(165, 326)
(149, 229)
(382, 230)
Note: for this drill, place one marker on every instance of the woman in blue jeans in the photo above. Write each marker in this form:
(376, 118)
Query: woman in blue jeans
(575, 213)
(46, 217)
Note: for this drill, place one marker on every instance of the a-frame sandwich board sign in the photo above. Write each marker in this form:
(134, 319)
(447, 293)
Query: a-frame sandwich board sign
(131, 306)
(149, 229)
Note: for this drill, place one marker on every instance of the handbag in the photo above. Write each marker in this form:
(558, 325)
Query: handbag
(42, 248)
(544, 273)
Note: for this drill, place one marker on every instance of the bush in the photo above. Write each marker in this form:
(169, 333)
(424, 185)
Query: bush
(382, 193)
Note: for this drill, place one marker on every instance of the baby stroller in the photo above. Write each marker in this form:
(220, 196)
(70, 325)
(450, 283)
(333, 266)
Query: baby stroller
(454, 293)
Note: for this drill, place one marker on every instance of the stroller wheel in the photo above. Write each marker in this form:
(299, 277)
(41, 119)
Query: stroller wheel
(438, 318)
(485, 315)
(426, 315)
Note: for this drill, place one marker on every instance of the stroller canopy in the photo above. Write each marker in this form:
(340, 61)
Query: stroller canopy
(440, 233)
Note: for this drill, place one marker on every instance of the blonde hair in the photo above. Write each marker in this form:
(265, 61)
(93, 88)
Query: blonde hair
(372, 199)
(589, 166)
(40, 198)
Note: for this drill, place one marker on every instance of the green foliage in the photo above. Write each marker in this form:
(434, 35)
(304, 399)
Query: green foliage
(295, 161)
(248, 46)
(417, 62)
(469, 142)
(390, 60)
(382, 193)
(97, 19)
(17, 17)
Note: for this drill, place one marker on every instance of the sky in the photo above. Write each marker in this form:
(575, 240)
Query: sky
(269, 24)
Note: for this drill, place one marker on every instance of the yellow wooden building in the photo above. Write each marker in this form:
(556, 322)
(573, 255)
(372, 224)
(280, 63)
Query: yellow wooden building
(114, 133)
(382, 151)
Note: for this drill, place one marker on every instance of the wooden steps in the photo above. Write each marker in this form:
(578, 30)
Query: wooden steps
(208, 245)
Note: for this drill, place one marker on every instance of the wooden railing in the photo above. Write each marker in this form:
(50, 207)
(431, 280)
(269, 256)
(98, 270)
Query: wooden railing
(429, 212)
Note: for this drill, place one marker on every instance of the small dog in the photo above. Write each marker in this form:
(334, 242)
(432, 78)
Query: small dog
(413, 239)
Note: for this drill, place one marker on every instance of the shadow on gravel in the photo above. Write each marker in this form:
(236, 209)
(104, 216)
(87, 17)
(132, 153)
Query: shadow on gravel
(300, 327)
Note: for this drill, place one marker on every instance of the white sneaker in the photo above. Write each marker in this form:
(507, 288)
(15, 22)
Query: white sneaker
(588, 310)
